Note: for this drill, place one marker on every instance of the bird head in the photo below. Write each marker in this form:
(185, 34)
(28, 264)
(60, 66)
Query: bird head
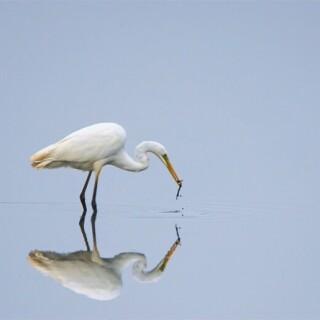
(160, 151)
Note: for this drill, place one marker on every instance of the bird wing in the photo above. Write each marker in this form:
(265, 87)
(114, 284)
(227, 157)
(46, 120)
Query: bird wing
(90, 144)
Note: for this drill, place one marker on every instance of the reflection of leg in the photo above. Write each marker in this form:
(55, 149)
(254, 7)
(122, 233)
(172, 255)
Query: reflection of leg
(93, 225)
(83, 231)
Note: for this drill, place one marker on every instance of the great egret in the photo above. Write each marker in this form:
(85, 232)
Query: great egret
(85, 272)
(91, 148)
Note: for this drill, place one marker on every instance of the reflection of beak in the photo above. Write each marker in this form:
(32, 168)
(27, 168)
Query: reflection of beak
(169, 166)
(162, 264)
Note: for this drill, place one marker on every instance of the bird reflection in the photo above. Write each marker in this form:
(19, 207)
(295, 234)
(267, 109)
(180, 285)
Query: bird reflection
(87, 273)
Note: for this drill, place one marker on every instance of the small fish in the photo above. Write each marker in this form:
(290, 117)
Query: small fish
(180, 186)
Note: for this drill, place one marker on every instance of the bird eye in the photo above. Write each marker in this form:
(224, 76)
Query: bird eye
(165, 156)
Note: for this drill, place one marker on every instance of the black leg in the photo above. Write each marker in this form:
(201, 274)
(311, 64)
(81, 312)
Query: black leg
(83, 216)
(93, 202)
(95, 210)
(83, 192)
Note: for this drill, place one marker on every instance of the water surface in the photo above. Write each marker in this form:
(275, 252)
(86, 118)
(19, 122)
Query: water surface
(235, 260)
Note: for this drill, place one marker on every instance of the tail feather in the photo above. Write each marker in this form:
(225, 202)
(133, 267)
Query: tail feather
(42, 158)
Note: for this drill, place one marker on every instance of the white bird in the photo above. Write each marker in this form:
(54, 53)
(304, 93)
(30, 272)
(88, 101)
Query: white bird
(85, 272)
(91, 148)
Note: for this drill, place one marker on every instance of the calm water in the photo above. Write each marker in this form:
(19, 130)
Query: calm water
(235, 260)
(232, 91)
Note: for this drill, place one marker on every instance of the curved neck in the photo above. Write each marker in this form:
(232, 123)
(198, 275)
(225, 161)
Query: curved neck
(140, 274)
(141, 161)
(122, 260)
(139, 265)
(125, 162)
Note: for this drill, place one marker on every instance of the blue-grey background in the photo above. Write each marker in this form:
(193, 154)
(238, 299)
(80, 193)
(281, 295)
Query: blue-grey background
(231, 89)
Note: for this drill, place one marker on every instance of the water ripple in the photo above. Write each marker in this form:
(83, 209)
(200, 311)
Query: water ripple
(215, 210)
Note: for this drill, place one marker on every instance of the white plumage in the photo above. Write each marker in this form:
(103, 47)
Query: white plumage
(93, 147)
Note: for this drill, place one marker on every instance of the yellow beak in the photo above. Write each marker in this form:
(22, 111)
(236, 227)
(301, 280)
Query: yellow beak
(168, 164)
(163, 263)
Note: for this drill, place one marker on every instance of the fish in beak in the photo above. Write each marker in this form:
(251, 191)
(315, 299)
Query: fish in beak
(165, 159)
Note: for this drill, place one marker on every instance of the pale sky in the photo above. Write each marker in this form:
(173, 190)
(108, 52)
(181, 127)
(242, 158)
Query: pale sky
(232, 91)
